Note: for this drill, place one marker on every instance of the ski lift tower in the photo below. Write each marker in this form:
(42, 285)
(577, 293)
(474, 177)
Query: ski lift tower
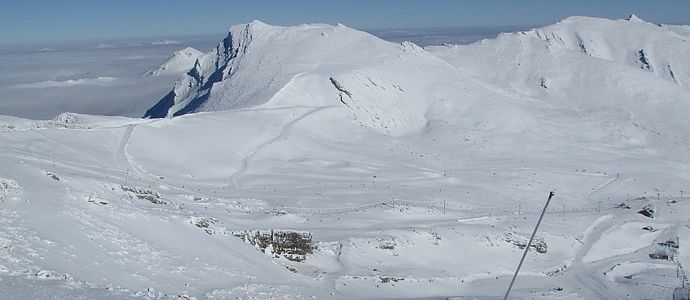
(529, 244)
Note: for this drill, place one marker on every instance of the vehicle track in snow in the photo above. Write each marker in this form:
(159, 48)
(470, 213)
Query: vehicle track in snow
(590, 277)
(590, 286)
(287, 128)
(603, 185)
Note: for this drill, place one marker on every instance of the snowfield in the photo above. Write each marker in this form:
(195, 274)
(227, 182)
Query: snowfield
(321, 162)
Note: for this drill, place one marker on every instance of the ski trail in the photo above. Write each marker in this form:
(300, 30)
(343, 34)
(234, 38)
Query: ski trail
(122, 155)
(123, 144)
(283, 133)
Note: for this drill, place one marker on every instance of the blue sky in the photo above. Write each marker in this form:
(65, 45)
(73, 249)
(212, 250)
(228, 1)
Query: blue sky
(36, 20)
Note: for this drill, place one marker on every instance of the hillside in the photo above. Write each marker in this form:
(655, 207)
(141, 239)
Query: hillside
(318, 161)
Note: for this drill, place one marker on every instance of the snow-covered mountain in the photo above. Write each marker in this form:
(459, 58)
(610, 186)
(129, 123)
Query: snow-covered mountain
(382, 85)
(653, 48)
(544, 54)
(178, 63)
(318, 161)
(617, 72)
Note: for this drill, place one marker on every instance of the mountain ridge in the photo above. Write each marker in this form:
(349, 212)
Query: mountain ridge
(222, 81)
(259, 64)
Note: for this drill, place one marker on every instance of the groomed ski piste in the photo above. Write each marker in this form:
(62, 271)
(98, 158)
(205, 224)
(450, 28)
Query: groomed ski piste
(320, 162)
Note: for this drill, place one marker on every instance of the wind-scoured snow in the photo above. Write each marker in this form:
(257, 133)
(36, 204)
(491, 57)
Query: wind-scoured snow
(393, 171)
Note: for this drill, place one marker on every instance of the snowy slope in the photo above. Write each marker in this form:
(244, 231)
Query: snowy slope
(260, 65)
(179, 62)
(683, 30)
(656, 49)
(547, 67)
(417, 172)
(659, 50)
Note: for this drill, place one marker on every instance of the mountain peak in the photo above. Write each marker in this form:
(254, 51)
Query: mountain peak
(257, 24)
(177, 63)
(187, 50)
(634, 18)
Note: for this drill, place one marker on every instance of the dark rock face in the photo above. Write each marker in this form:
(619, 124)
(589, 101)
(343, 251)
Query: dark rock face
(194, 87)
(538, 244)
(293, 245)
(143, 194)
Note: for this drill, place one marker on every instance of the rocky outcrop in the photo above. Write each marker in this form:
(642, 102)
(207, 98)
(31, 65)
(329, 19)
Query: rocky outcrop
(292, 245)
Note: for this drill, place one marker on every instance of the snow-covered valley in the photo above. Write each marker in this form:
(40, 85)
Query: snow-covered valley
(318, 161)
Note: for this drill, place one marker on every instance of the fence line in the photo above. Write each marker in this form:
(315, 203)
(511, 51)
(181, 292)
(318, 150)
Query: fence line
(436, 206)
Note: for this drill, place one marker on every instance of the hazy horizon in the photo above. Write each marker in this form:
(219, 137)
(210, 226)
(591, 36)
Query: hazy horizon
(35, 20)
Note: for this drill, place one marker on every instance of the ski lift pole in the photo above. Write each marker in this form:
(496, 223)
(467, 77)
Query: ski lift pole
(524, 254)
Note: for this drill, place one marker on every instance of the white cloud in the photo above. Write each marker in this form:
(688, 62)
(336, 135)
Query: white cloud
(99, 81)
(134, 57)
(165, 42)
(104, 46)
